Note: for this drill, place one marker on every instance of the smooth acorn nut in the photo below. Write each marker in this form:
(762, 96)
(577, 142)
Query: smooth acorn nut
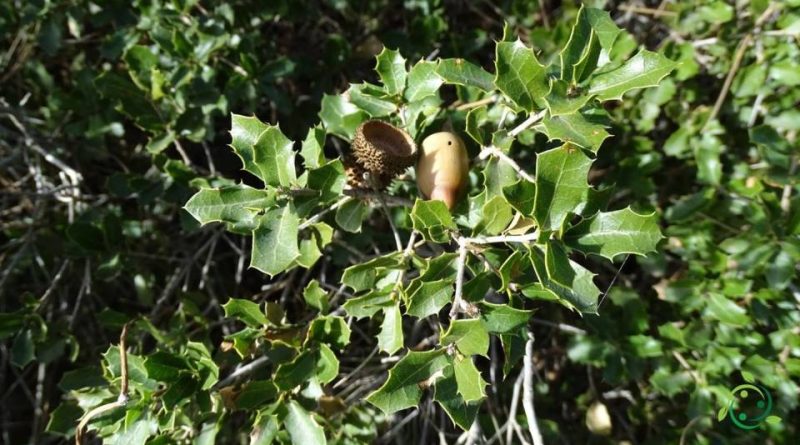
(383, 149)
(443, 168)
(598, 420)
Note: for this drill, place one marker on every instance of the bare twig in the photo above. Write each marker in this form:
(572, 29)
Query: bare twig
(527, 397)
(242, 371)
(121, 401)
(462, 259)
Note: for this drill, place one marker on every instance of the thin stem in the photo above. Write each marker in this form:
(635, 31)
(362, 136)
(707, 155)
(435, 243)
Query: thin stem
(527, 388)
(314, 219)
(462, 259)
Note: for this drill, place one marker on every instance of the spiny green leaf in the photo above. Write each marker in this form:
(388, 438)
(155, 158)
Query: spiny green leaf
(645, 69)
(592, 31)
(371, 99)
(246, 311)
(519, 75)
(446, 394)
(563, 100)
(461, 72)
(315, 297)
(429, 297)
(581, 294)
(329, 329)
(574, 128)
(471, 385)
(432, 219)
(422, 81)
(274, 157)
(561, 185)
(391, 68)
(609, 234)
(469, 336)
(402, 388)
(340, 116)
(502, 318)
(275, 241)
(302, 427)
(245, 131)
(312, 148)
(236, 205)
(390, 339)
(351, 214)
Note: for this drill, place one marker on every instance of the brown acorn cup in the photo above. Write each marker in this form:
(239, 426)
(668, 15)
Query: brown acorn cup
(383, 149)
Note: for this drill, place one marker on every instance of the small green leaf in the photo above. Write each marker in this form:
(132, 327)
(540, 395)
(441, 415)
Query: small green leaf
(315, 296)
(609, 234)
(497, 214)
(302, 427)
(719, 307)
(446, 394)
(429, 297)
(329, 180)
(340, 116)
(576, 129)
(367, 305)
(471, 385)
(391, 68)
(521, 196)
(581, 294)
(330, 329)
(561, 185)
(520, 76)
(275, 241)
(561, 100)
(23, 350)
(645, 69)
(351, 214)
(461, 72)
(593, 30)
(64, 419)
(422, 81)
(255, 394)
(165, 367)
(469, 336)
(402, 389)
(362, 276)
(273, 156)
(312, 149)
(236, 205)
(390, 339)
(371, 99)
(327, 364)
(432, 219)
(246, 311)
(721, 413)
(748, 377)
(297, 372)
(502, 318)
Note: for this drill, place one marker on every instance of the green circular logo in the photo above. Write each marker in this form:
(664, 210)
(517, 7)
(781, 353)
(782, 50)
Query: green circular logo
(743, 395)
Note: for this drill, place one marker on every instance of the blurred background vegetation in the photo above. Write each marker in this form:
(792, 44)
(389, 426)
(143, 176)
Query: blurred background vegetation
(113, 113)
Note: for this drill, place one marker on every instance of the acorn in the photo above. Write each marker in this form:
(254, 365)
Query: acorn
(598, 420)
(357, 176)
(443, 168)
(383, 149)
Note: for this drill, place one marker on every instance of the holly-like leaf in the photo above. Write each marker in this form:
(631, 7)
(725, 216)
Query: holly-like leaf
(362, 276)
(246, 311)
(432, 219)
(273, 156)
(594, 30)
(461, 72)
(471, 386)
(275, 241)
(446, 394)
(422, 81)
(391, 68)
(315, 297)
(351, 214)
(312, 148)
(645, 69)
(245, 132)
(563, 100)
(581, 294)
(340, 116)
(402, 388)
(502, 318)
(330, 329)
(371, 99)
(497, 214)
(519, 75)
(469, 336)
(328, 180)
(302, 427)
(561, 185)
(574, 128)
(429, 297)
(609, 234)
(236, 205)
(390, 339)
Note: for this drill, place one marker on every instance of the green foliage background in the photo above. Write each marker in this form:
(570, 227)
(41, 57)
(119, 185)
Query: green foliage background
(115, 120)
